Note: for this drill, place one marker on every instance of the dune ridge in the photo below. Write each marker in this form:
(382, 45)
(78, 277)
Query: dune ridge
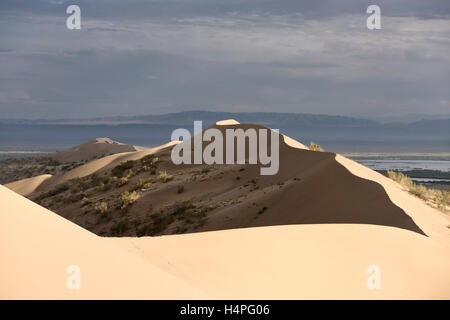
(327, 219)
(26, 186)
(37, 246)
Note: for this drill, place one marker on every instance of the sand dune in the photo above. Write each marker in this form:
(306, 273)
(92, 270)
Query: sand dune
(326, 220)
(303, 262)
(291, 262)
(26, 186)
(433, 222)
(92, 149)
(288, 140)
(101, 164)
(310, 188)
(37, 246)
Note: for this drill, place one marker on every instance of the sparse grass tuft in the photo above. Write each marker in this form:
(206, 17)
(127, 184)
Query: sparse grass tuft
(164, 176)
(315, 147)
(122, 181)
(101, 207)
(127, 199)
(436, 198)
(143, 183)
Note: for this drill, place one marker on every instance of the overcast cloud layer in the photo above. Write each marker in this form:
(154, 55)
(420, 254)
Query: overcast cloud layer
(143, 57)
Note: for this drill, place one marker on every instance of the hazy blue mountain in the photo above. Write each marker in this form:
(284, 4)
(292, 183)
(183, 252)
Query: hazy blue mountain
(335, 133)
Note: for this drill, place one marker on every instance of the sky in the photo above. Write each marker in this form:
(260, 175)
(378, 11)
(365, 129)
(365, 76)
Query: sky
(160, 56)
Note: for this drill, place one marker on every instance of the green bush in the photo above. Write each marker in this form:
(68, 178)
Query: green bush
(119, 170)
(164, 176)
(118, 228)
(122, 181)
(143, 183)
(101, 207)
(59, 189)
(128, 198)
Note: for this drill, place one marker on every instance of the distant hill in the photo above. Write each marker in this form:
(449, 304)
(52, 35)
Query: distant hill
(61, 161)
(335, 133)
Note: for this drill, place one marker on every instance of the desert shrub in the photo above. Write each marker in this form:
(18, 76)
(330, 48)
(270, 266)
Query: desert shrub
(75, 198)
(95, 180)
(193, 214)
(405, 181)
(262, 210)
(180, 189)
(150, 160)
(143, 183)
(143, 230)
(315, 147)
(160, 223)
(85, 201)
(101, 207)
(164, 176)
(128, 198)
(122, 181)
(181, 206)
(59, 189)
(188, 212)
(436, 198)
(119, 170)
(118, 228)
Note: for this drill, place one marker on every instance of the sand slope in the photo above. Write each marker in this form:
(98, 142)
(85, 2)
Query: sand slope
(365, 219)
(101, 164)
(37, 246)
(433, 222)
(292, 262)
(26, 186)
(92, 149)
(303, 262)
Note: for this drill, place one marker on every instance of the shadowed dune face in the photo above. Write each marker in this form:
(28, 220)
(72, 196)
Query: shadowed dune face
(309, 188)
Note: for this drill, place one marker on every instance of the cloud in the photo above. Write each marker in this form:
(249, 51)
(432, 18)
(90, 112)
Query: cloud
(314, 57)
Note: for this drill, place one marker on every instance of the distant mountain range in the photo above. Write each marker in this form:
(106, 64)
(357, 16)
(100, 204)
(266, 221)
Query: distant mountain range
(340, 133)
(284, 119)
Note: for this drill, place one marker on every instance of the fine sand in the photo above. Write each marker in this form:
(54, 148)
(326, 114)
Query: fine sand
(37, 246)
(316, 240)
(102, 163)
(26, 186)
(292, 262)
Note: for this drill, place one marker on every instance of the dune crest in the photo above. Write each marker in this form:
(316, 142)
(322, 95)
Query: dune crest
(102, 163)
(433, 222)
(27, 186)
(303, 262)
(37, 246)
(227, 122)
